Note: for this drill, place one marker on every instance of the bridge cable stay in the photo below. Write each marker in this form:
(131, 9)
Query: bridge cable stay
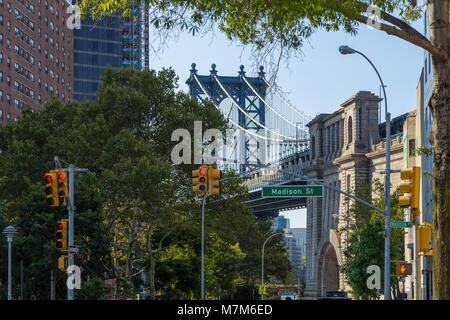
(271, 108)
(231, 120)
(247, 115)
(284, 100)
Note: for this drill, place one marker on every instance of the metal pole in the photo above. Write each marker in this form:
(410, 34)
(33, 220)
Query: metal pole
(387, 217)
(21, 279)
(52, 292)
(262, 260)
(10, 239)
(71, 209)
(417, 282)
(203, 248)
(387, 193)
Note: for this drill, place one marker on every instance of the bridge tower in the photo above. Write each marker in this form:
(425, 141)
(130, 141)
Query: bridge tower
(252, 149)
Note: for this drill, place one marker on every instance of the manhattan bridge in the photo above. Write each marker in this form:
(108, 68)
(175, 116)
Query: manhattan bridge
(268, 130)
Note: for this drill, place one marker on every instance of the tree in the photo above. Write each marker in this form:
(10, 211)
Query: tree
(363, 231)
(285, 25)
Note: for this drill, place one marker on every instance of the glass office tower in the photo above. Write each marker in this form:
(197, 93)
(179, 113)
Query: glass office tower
(115, 41)
(96, 45)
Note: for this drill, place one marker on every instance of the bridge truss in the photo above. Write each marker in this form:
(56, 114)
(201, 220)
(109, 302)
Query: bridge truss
(264, 133)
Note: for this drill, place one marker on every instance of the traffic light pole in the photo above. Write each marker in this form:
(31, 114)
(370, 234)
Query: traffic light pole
(203, 248)
(71, 212)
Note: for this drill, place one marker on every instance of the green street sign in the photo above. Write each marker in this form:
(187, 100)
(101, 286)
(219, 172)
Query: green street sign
(292, 191)
(401, 224)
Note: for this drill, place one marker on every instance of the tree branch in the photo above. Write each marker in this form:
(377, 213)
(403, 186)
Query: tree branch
(422, 42)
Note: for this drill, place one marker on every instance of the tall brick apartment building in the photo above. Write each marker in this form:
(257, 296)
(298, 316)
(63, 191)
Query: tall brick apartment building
(36, 55)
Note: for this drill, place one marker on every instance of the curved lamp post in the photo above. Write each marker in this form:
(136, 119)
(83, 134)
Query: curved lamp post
(387, 199)
(262, 260)
(10, 233)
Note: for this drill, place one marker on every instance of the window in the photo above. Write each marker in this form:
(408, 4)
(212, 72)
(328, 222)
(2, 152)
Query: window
(412, 147)
(350, 129)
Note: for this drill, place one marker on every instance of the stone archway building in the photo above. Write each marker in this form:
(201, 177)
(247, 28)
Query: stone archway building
(347, 151)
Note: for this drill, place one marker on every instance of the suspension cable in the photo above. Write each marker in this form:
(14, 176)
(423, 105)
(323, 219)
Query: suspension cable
(292, 107)
(231, 120)
(246, 114)
(270, 107)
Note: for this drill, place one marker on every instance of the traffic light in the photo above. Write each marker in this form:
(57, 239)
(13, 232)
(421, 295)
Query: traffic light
(62, 186)
(403, 268)
(412, 187)
(61, 235)
(51, 189)
(214, 176)
(199, 180)
(63, 263)
(424, 241)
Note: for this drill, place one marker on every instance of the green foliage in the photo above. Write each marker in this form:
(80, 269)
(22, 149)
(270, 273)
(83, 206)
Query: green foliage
(363, 234)
(93, 289)
(135, 212)
(422, 150)
(258, 22)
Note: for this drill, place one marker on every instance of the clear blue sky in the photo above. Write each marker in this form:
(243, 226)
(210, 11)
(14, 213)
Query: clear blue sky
(318, 81)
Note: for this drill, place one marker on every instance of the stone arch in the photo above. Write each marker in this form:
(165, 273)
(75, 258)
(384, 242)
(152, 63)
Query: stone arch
(328, 270)
(313, 147)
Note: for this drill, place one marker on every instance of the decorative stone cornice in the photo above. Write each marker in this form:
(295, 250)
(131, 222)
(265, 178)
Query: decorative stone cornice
(379, 149)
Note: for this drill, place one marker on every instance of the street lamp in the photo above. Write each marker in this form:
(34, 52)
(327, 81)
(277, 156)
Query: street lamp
(387, 200)
(262, 260)
(10, 233)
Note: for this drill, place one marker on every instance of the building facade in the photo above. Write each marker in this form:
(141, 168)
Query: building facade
(96, 45)
(113, 41)
(419, 285)
(347, 150)
(135, 38)
(296, 246)
(280, 223)
(36, 55)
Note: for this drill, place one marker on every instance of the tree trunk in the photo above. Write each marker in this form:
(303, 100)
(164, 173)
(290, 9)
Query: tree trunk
(152, 278)
(440, 108)
(131, 242)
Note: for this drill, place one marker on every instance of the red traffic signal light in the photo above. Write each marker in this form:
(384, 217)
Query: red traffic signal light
(48, 178)
(61, 235)
(62, 186)
(403, 269)
(199, 180)
(51, 189)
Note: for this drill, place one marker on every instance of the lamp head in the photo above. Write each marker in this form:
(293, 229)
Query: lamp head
(346, 50)
(10, 232)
